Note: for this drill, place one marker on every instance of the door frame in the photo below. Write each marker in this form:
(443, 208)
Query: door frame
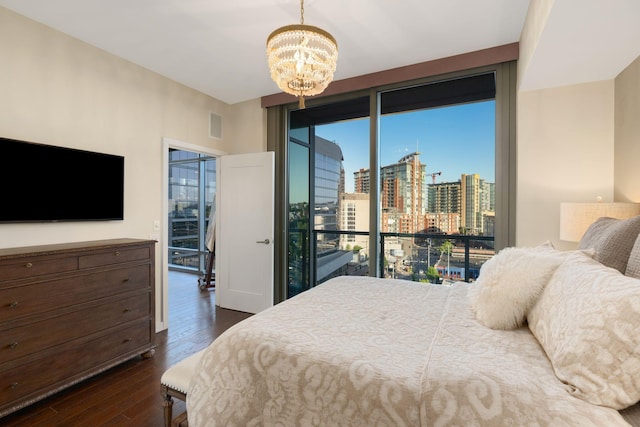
(162, 288)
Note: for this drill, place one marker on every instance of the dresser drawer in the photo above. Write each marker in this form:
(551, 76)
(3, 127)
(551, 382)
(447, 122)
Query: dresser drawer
(69, 311)
(113, 257)
(27, 339)
(43, 296)
(36, 266)
(61, 367)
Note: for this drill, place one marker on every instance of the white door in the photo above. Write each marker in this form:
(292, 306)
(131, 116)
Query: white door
(244, 236)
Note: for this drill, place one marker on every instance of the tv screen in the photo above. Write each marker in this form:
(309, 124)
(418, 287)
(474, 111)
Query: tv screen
(44, 183)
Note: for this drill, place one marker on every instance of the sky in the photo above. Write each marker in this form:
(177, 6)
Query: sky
(454, 140)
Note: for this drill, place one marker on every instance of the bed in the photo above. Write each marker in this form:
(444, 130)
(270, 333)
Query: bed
(539, 345)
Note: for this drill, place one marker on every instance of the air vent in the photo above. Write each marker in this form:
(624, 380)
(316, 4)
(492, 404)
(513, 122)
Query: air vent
(215, 126)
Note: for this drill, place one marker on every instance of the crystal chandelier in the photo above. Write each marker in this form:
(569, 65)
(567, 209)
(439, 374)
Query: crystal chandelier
(302, 58)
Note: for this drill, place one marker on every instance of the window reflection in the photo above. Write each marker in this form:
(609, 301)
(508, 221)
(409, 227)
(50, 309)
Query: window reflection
(192, 186)
(298, 252)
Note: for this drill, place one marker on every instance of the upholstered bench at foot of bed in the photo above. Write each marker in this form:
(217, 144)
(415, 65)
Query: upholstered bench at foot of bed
(175, 383)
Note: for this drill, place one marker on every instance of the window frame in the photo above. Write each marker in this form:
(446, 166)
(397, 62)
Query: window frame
(505, 159)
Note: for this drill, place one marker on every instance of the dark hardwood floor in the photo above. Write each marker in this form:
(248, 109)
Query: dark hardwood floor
(129, 394)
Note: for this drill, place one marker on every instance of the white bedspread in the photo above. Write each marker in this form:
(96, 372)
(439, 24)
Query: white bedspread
(359, 351)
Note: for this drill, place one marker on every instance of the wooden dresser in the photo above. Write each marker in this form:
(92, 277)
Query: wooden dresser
(70, 311)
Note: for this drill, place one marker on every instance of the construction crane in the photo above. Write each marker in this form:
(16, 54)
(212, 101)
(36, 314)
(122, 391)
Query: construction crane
(433, 176)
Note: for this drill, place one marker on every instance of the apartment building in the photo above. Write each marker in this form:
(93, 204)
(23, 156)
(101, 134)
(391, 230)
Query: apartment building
(354, 216)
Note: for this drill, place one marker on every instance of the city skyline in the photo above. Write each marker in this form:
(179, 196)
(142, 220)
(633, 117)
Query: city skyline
(440, 135)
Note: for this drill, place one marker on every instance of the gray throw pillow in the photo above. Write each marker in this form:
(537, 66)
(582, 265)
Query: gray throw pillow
(633, 266)
(612, 239)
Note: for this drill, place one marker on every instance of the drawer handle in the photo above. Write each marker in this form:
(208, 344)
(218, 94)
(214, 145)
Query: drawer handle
(29, 265)
(13, 304)
(14, 386)
(13, 345)
(117, 253)
(128, 340)
(125, 280)
(126, 310)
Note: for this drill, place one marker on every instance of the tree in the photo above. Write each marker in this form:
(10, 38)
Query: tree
(432, 274)
(357, 248)
(446, 248)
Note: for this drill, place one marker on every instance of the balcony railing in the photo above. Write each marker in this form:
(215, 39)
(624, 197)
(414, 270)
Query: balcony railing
(457, 256)
(425, 257)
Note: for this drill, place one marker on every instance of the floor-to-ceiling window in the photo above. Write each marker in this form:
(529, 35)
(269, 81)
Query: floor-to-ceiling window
(192, 186)
(318, 206)
(341, 201)
(409, 181)
(437, 146)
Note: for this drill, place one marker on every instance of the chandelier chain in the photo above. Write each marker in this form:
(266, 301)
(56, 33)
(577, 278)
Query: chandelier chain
(301, 12)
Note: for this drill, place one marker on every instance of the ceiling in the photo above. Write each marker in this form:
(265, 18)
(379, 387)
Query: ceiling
(218, 47)
(583, 41)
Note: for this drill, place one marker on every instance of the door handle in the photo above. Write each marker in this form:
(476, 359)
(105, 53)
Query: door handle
(265, 241)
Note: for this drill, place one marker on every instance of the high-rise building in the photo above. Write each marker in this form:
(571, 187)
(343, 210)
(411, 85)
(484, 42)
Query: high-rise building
(444, 202)
(402, 195)
(444, 197)
(354, 216)
(488, 197)
(328, 182)
(329, 185)
(470, 201)
(410, 205)
(478, 202)
(361, 181)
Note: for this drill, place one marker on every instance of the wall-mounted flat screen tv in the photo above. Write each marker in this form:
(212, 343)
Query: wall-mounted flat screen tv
(45, 183)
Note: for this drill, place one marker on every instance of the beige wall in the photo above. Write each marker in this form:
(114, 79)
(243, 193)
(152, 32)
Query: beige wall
(247, 126)
(60, 91)
(565, 154)
(57, 90)
(627, 131)
(574, 143)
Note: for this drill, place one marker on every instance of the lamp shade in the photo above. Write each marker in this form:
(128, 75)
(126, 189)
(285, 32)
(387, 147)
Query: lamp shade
(575, 218)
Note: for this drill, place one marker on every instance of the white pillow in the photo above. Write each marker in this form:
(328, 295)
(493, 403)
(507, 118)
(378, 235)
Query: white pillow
(510, 283)
(587, 320)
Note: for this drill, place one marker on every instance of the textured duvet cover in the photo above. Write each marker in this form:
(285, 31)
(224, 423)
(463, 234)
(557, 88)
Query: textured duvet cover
(359, 351)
